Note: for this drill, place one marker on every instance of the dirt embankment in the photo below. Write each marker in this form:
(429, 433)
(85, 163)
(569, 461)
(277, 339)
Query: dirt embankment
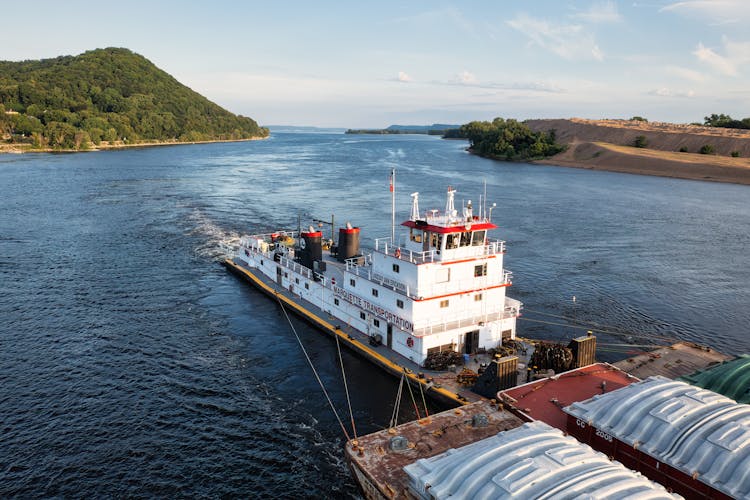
(608, 145)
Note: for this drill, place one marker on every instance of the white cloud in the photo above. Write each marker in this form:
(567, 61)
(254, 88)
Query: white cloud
(568, 41)
(403, 77)
(717, 12)
(600, 12)
(467, 77)
(736, 55)
(667, 92)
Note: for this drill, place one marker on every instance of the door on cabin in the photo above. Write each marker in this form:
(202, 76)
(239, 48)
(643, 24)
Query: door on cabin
(389, 336)
(471, 342)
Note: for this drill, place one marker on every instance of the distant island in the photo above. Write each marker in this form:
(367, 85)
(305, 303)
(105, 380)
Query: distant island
(106, 98)
(434, 129)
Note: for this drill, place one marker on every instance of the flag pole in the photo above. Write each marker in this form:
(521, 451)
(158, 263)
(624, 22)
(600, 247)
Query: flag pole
(393, 207)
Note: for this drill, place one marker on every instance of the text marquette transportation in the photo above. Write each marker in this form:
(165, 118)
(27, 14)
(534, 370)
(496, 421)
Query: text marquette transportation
(441, 285)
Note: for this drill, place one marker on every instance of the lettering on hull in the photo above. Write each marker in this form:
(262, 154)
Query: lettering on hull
(379, 311)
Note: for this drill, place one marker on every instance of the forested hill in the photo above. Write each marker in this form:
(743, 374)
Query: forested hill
(107, 96)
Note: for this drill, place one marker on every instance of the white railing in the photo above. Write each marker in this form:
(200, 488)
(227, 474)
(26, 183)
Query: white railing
(295, 267)
(445, 324)
(384, 245)
(507, 277)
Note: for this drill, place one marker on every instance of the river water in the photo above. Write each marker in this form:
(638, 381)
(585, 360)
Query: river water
(132, 364)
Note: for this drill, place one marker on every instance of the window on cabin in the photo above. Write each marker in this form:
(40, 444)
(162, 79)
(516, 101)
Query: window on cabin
(307, 286)
(374, 292)
(376, 322)
(466, 239)
(452, 241)
(477, 239)
(478, 297)
(443, 303)
(336, 301)
(480, 270)
(296, 280)
(399, 303)
(395, 268)
(434, 240)
(362, 315)
(415, 235)
(352, 282)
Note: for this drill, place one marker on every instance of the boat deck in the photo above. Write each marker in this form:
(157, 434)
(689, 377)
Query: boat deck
(439, 385)
(381, 467)
(677, 360)
(544, 399)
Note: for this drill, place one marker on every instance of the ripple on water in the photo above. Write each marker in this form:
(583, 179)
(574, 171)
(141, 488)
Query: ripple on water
(131, 364)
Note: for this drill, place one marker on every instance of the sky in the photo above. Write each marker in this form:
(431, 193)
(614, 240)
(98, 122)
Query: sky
(372, 64)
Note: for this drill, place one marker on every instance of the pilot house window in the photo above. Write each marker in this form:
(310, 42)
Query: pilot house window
(452, 241)
(477, 238)
(480, 270)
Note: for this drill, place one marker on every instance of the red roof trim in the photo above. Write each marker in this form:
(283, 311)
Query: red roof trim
(475, 226)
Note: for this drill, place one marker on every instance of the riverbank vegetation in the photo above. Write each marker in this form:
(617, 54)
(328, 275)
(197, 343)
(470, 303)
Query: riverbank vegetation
(726, 121)
(509, 140)
(107, 96)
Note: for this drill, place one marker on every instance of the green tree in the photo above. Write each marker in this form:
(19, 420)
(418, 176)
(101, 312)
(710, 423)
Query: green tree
(109, 94)
(509, 140)
(640, 141)
(706, 149)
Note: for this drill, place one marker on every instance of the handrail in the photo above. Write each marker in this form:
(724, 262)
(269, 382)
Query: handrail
(508, 312)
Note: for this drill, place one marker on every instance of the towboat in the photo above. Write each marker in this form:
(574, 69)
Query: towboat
(439, 286)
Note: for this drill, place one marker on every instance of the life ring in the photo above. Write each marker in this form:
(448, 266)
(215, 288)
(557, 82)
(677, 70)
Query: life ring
(410, 342)
(397, 253)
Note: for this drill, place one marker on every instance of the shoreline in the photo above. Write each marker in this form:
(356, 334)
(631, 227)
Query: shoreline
(609, 157)
(26, 148)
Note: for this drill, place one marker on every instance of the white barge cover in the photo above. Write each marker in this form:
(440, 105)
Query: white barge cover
(699, 432)
(531, 461)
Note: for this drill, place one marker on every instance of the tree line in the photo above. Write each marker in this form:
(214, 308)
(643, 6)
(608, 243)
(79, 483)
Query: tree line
(71, 102)
(508, 140)
(725, 121)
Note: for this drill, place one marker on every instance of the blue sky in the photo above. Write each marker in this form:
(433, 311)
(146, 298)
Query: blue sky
(371, 64)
